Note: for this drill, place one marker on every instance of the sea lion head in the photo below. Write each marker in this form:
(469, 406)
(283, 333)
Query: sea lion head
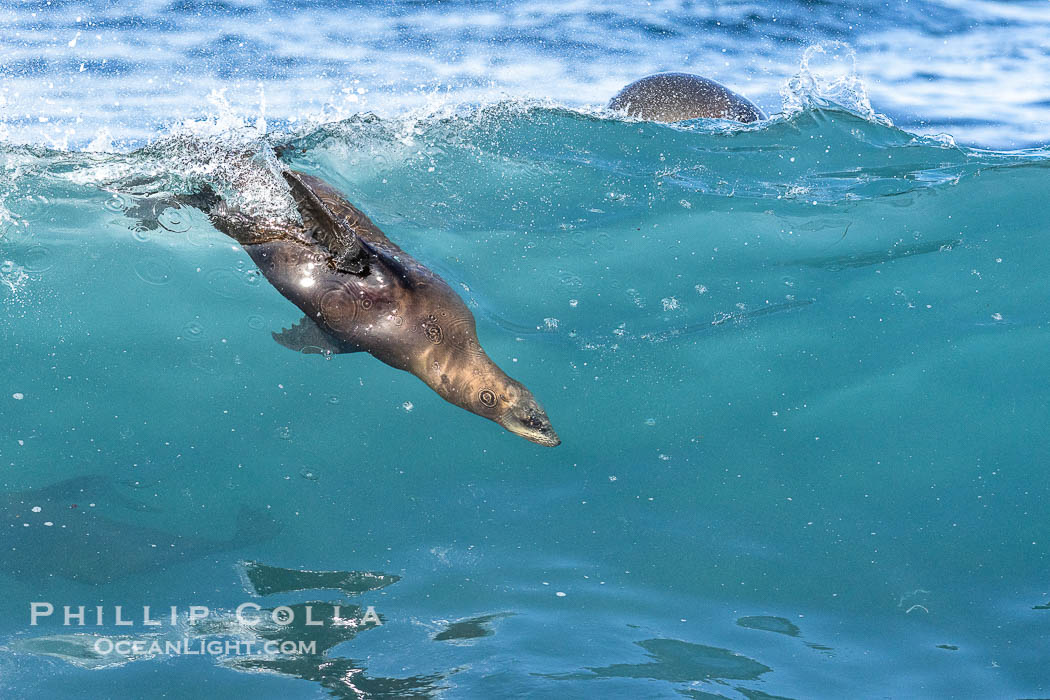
(457, 368)
(492, 394)
(523, 415)
(673, 97)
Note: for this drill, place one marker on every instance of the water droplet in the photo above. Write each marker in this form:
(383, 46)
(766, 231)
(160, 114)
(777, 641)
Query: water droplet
(226, 283)
(38, 258)
(32, 207)
(206, 363)
(193, 331)
(118, 203)
(174, 220)
(153, 270)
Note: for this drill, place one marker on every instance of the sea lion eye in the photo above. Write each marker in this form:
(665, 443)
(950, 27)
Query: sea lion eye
(487, 397)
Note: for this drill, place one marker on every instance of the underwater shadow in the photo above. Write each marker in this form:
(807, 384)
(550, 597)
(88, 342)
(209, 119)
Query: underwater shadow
(84, 529)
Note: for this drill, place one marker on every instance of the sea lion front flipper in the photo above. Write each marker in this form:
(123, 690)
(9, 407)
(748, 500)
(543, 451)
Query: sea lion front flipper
(349, 254)
(307, 337)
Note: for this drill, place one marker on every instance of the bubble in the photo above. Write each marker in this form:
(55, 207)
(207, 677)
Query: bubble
(256, 322)
(32, 207)
(193, 331)
(118, 203)
(333, 399)
(604, 241)
(308, 474)
(197, 236)
(226, 283)
(175, 220)
(38, 259)
(284, 432)
(433, 333)
(339, 309)
(19, 234)
(569, 279)
(153, 270)
(381, 162)
(206, 363)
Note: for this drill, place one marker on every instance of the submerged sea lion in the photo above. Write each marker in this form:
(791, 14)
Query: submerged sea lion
(360, 291)
(673, 97)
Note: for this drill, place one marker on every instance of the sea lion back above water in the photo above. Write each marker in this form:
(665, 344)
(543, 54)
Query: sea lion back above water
(673, 97)
(359, 291)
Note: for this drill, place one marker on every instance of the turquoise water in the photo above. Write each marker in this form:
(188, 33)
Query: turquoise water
(797, 369)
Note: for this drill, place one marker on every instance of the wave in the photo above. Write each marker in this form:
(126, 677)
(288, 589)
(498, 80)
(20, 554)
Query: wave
(816, 153)
(670, 229)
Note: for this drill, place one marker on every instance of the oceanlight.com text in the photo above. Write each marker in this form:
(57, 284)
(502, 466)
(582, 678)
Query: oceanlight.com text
(105, 646)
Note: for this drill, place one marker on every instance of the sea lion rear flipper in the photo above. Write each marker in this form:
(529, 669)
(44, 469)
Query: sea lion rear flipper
(307, 337)
(349, 252)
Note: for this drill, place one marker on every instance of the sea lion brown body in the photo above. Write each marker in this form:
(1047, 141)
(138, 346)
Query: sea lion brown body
(673, 97)
(361, 292)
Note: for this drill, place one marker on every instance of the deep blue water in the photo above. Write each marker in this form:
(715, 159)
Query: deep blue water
(798, 367)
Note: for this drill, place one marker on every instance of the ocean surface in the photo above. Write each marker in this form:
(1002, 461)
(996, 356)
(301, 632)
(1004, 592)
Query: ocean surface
(798, 367)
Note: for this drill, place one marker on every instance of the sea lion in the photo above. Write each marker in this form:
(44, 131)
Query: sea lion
(360, 291)
(673, 97)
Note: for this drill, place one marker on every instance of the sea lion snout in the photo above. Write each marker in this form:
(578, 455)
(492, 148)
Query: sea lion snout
(527, 418)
